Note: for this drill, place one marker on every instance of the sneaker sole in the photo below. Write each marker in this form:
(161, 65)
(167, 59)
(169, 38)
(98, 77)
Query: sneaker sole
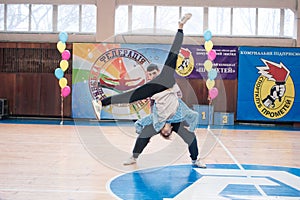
(129, 163)
(203, 167)
(185, 18)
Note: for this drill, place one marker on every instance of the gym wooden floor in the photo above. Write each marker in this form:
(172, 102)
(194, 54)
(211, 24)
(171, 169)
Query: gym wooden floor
(41, 162)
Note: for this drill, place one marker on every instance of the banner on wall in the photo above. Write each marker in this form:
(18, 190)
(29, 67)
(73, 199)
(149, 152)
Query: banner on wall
(101, 70)
(226, 62)
(105, 69)
(268, 84)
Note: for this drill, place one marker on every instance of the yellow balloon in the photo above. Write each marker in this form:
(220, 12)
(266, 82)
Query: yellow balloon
(64, 65)
(61, 46)
(63, 82)
(208, 45)
(210, 83)
(208, 65)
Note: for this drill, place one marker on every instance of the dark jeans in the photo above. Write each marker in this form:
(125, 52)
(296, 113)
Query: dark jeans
(188, 137)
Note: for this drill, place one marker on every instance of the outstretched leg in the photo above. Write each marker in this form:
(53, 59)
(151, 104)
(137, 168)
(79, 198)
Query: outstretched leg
(162, 82)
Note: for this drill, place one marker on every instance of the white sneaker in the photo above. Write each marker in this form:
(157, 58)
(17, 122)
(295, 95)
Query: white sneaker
(198, 163)
(185, 18)
(97, 106)
(130, 161)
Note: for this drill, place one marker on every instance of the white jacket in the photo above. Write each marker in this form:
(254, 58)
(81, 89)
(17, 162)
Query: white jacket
(166, 102)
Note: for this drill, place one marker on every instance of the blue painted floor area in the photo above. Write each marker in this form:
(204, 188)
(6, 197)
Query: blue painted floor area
(187, 182)
(92, 122)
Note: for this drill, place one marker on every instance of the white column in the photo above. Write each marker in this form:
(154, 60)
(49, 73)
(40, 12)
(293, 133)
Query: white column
(105, 20)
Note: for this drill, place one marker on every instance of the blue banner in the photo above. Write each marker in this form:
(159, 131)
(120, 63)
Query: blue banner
(268, 84)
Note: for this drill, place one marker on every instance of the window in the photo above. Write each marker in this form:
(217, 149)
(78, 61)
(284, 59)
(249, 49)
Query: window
(268, 22)
(88, 16)
(1, 17)
(167, 18)
(68, 18)
(41, 18)
(142, 18)
(196, 22)
(243, 21)
(48, 18)
(82, 18)
(17, 17)
(121, 19)
(219, 21)
(288, 23)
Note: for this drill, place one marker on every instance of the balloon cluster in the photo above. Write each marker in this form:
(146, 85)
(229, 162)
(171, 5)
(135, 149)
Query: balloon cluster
(208, 65)
(59, 72)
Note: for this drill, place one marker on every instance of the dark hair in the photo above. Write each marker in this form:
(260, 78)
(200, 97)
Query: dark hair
(166, 137)
(152, 67)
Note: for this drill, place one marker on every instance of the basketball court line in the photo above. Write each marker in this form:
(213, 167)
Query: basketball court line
(236, 162)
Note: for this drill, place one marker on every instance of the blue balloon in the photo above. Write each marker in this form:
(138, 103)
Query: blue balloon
(207, 35)
(59, 73)
(212, 74)
(63, 37)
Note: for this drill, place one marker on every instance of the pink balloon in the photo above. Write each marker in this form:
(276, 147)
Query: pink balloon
(211, 55)
(66, 55)
(213, 93)
(65, 91)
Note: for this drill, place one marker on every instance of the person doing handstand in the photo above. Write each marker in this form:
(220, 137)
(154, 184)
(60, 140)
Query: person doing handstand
(164, 81)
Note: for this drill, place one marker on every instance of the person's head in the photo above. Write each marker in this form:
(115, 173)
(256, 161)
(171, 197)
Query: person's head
(166, 131)
(152, 71)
